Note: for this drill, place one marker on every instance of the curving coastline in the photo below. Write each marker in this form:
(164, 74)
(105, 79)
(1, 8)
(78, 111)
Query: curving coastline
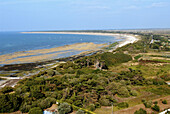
(127, 38)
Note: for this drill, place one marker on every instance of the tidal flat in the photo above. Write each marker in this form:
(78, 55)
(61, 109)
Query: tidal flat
(48, 54)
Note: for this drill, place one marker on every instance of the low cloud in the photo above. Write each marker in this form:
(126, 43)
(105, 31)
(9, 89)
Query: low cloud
(99, 7)
(158, 4)
(6, 2)
(132, 7)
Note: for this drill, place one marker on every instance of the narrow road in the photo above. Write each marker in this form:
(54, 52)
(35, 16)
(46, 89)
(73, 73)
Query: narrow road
(10, 78)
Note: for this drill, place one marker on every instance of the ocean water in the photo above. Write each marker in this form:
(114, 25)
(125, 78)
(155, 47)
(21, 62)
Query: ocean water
(11, 42)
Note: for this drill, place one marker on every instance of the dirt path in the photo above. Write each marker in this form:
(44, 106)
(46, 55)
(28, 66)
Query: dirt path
(131, 110)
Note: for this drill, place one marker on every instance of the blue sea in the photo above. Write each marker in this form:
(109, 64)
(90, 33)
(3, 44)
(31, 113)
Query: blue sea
(11, 42)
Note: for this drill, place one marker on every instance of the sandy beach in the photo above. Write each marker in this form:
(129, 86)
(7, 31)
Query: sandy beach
(53, 53)
(118, 36)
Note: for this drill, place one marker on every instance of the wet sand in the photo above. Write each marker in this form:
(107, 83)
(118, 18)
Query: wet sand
(47, 54)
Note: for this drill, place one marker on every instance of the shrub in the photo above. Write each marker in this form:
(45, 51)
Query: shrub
(25, 108)
(69, 101)
(158, 81)
(80, 112)
(92, 107)
(164, 102)
(104, 101)
(79, 72)
(140, 111)
(156, 108)
(156, 102)
(64, 108)
(46, 103)
(51, 94)
(147, 104)
(113, 87)
(137, 57)
(143, 100)
(6, 89)
(123, 82)
(37, 95)
(70, 70)
(78, 103)
(129, 88)
(133, 93)
(35, 110)
(97, 105)
(51, 72)
(149, 82)
(123, 92)
(123, 105)
(165, 77)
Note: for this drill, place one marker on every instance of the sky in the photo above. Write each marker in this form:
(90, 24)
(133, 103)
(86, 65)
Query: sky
(35, 15)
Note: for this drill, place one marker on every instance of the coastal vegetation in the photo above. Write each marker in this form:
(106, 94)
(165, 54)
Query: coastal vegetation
(128, 76)
(141, 111)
